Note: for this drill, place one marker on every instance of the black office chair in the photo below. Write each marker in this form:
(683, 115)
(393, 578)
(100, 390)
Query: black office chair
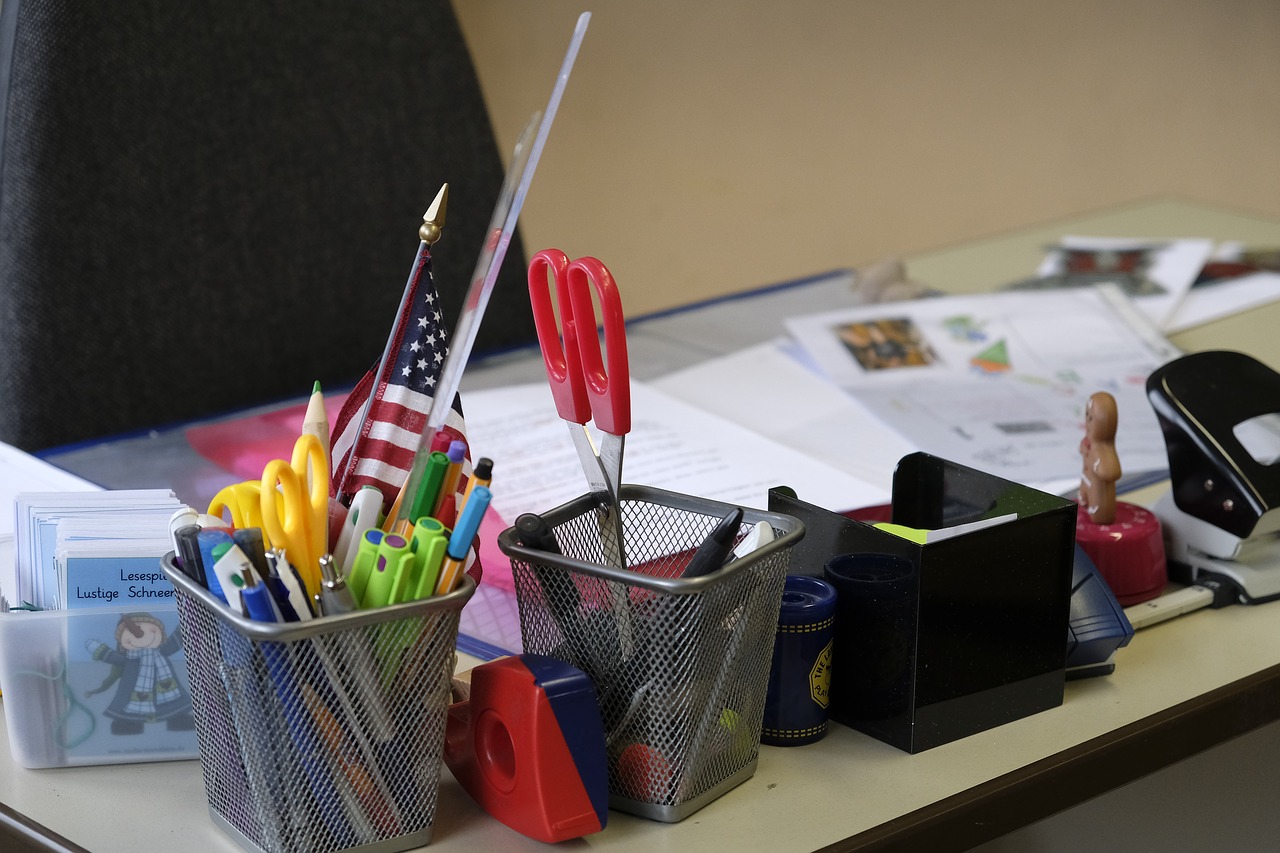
(208, 206)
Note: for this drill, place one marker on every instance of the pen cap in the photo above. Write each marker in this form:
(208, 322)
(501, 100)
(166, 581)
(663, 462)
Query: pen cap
(366, 556)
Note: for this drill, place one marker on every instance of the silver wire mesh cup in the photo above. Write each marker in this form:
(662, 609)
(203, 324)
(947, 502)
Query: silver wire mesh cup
(321, 735)
(680, 665)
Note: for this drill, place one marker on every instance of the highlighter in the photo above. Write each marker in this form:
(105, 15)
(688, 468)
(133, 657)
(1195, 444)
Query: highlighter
(430, 538)
(366, 555)
(393, 554)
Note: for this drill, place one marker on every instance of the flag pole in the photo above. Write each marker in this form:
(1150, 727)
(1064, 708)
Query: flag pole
(429, 234)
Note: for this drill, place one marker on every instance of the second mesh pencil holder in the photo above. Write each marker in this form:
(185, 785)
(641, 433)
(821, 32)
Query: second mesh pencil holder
(680, 665)
(321, 735)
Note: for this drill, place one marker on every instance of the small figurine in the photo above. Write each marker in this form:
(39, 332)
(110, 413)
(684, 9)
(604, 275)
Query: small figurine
(1122, 539)
(1101, 464)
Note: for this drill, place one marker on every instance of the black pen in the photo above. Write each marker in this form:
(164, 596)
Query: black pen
(713, 551)
(189, 559)
(560, 591)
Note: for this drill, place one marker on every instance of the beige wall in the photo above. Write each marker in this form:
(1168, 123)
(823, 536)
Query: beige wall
(706, 146)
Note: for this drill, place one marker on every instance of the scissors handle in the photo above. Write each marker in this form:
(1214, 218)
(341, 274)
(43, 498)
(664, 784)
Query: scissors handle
(609, 390)
(309, 450)
(563, 362)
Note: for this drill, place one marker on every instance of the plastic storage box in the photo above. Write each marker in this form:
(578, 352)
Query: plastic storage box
(95, 686)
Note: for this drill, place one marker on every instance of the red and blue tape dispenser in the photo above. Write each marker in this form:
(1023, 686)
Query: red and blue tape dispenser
(528, 746)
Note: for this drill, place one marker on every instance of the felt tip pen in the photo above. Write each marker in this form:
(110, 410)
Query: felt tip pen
(482, 475)
(452, 477)
(460, 540)
(429, 488)
(251, 541)
(715, 548)
(363, 514)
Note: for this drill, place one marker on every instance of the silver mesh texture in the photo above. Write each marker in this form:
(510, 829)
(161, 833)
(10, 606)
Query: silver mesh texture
(322, 738)
(681, 666)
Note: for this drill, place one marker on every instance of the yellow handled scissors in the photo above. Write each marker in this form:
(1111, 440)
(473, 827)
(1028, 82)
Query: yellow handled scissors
(295, 508)
(242, 500)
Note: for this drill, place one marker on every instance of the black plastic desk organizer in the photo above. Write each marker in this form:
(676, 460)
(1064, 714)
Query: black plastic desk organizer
(680, 665)
(321, 735)
(972, 637)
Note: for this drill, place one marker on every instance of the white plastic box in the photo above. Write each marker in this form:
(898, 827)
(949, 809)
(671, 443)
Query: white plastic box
(96, 686)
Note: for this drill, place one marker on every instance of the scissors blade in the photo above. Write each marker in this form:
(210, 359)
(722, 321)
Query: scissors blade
(598, 482)
(609, 521)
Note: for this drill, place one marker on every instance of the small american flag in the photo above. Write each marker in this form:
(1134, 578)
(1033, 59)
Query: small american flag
(384, 449)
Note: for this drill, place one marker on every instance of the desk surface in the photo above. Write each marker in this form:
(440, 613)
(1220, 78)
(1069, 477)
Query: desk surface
(1179, 687)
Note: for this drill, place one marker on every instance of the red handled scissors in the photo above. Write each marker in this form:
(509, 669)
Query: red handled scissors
(584, 388)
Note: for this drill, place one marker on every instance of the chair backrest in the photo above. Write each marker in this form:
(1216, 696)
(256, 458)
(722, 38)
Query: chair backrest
(207, 206)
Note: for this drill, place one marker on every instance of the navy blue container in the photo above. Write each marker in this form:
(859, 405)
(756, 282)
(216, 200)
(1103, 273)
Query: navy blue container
(795, 710)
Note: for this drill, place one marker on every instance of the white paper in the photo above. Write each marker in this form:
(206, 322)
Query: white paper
(671, 446)
(764, 390)
(22, 472)
(998, 381)
(1169, 266)
(1214, 300)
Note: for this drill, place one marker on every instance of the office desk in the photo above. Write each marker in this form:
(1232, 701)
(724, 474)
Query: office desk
(1179, 687)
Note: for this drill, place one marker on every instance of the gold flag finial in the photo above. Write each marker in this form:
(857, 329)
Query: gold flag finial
(433, 219)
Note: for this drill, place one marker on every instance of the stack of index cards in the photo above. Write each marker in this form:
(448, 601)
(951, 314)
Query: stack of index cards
(93, 549)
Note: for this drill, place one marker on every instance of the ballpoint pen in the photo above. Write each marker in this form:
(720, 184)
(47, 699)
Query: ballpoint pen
(335, 598)
(286, 577)
(284, 676)
(187, 545)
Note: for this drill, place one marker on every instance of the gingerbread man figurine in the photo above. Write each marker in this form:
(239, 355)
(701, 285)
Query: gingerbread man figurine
(1101, 464)
(1122, 539)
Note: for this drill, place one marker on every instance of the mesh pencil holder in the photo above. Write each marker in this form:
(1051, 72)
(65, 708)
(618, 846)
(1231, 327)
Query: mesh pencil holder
(680, 665)
(326, 734)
